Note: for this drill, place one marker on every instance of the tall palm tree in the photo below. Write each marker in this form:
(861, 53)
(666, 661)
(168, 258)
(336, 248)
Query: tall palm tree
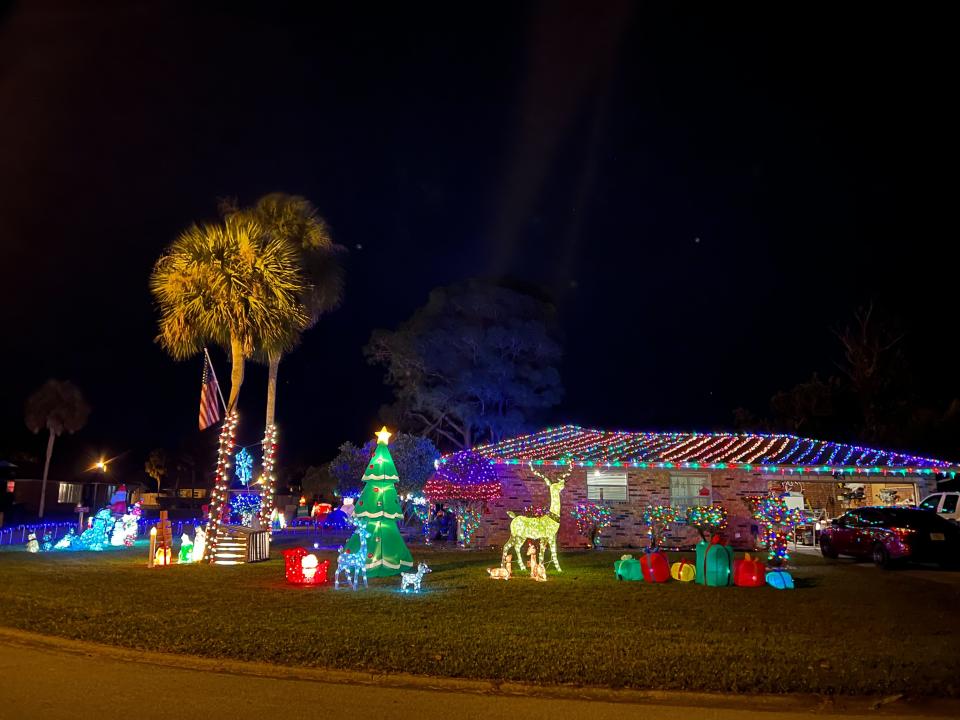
(232, 284)
(294, 220)
(58, 407)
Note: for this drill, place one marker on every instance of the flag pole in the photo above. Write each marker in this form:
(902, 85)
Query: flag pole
(214, 373)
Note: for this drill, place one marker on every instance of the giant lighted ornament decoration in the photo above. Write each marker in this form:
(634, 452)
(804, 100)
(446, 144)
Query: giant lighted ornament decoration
(714, 563)
(683, 571)
(545, 527)
(378, 509)
(412, 581)
(354, 562)
(628, 568)
(538, 571)
(654, 565)
(748, 572)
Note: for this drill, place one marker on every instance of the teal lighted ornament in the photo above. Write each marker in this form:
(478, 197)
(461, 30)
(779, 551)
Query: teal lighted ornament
(244, 466)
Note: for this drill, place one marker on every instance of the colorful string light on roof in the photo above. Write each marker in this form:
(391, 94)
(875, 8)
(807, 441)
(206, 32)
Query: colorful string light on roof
(767, 453)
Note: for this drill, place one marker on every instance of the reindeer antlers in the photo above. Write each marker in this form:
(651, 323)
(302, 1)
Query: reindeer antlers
(547, 480)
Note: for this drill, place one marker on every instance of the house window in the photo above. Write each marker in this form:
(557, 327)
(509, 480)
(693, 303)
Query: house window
(607, 485)
(689, 491)
(69, 493)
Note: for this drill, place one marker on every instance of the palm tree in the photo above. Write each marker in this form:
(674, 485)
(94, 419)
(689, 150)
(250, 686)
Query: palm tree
(58, 406)
(156, 465)
(232, 284)
(294, 220)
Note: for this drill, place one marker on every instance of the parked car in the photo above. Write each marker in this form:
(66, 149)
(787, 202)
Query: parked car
(945, 504)
(892, 535)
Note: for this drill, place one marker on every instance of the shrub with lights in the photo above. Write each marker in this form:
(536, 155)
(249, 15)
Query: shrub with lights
(467, 481)
(657, 519)
(777, 521)
(591, 519)
(707, 520)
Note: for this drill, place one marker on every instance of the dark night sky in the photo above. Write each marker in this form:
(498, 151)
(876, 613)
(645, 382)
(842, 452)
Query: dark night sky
(583, 150)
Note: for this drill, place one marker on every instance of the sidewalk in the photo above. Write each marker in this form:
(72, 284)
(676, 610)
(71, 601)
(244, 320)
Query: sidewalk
(49, 678)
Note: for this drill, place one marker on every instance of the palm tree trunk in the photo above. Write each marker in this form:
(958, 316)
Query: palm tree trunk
(236, 373)
(272, 387)
(46, 471)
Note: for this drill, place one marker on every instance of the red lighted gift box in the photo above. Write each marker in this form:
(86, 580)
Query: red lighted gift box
(749, 572)
(654, 566)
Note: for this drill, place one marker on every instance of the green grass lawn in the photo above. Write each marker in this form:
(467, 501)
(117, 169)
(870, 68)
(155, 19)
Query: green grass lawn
(843, 630)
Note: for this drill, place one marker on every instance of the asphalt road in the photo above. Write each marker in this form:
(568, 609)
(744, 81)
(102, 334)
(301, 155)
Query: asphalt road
(51, 679)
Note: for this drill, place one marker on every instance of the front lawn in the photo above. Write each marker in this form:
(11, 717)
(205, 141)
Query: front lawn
(844, 629)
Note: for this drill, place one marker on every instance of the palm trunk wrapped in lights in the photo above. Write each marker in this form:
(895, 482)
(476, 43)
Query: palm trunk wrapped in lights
(268, 481)
(221, 484)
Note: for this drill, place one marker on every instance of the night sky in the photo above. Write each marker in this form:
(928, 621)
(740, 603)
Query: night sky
(705, 195)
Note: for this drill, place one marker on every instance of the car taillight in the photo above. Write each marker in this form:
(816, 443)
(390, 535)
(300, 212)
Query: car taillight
(902, 533)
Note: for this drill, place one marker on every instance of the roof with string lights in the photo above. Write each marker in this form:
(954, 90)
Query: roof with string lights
(571, 444)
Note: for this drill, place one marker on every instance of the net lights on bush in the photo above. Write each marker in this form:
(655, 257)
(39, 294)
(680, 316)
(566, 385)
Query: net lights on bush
(591, 520)
(777, 521)
(221, 484)
(774, 454)
(657, 518)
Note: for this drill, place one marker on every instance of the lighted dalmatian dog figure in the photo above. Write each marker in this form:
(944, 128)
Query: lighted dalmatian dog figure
(408, 580)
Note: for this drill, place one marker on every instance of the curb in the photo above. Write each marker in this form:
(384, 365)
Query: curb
(896, 705)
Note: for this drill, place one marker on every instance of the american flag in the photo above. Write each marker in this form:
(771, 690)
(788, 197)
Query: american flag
(209, 408)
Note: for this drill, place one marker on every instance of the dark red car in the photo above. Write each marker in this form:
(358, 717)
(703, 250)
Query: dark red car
(892, 535)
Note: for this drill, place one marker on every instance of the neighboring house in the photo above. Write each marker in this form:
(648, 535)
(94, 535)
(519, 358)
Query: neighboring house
(629, 470)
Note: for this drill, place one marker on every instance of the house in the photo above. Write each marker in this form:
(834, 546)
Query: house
(629, 470)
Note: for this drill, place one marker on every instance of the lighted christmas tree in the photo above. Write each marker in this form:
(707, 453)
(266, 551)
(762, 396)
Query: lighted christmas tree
(379, 506)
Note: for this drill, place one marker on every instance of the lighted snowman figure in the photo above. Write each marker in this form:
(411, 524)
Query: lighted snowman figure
(309, 567)
(347, 507)
(32, 544)
(199, 545)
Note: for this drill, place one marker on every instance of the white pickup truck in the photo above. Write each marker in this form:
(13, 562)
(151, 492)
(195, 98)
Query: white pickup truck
(944, 504)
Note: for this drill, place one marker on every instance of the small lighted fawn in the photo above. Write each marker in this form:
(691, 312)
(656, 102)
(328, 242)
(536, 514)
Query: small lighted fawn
(413, 579)
(500, 573)
(542, 528)
(538, 571)
(357, 562)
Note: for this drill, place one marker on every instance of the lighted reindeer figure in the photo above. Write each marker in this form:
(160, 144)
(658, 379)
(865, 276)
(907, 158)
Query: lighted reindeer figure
(357, 562)
(543, 528)
(538, 571)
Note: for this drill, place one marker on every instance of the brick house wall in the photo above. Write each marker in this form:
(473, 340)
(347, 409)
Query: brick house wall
(521, 488)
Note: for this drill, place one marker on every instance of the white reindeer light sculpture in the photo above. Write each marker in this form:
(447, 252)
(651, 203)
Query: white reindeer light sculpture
(543, 528)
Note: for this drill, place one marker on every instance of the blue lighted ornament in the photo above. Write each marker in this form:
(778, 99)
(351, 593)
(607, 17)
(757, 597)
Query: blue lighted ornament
(780, 579)
(244, 466)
